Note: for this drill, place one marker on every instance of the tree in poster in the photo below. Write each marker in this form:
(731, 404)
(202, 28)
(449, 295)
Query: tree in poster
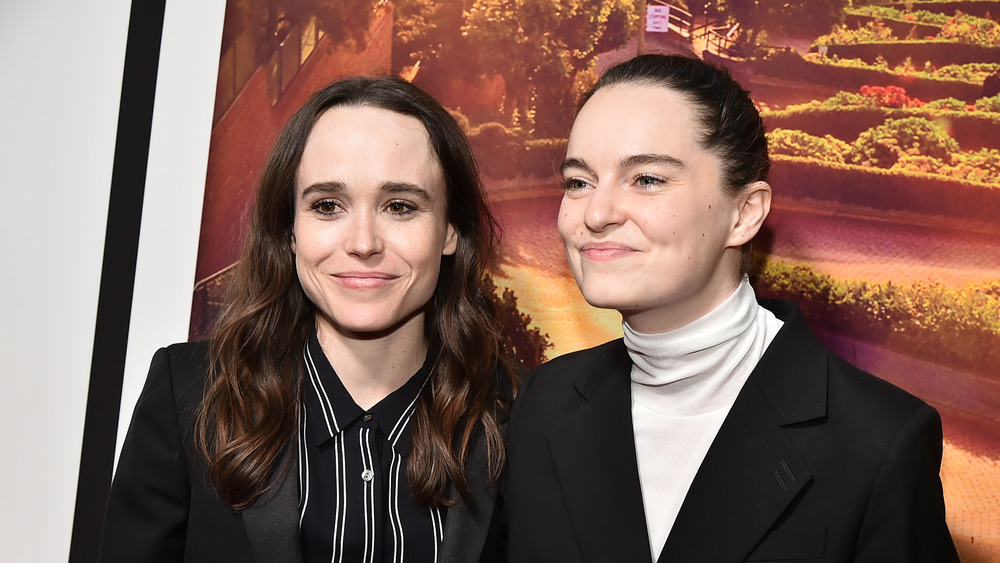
(269, 21)
(429, 32)
(800, 18)
(541, 47)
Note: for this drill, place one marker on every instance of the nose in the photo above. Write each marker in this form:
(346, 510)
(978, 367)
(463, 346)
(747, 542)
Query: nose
(364, 239)
(603, 209)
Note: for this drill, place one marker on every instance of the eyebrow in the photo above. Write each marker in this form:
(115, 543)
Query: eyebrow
(329, 188)
(574, 162)
(405, 188)
(627, 162)
(641, 159)
(323, 188)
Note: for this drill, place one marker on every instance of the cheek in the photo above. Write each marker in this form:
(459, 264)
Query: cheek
(568, 218)
(311, 245)
(422, 248)
(661, 222)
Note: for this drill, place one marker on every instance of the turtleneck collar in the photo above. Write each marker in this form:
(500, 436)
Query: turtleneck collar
(700, 367)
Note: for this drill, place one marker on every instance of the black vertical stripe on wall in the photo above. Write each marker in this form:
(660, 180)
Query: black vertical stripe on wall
(114, 305)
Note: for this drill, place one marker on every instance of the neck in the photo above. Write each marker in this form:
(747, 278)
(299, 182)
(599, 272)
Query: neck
(700, 367)
(687, 308)
(373, 366)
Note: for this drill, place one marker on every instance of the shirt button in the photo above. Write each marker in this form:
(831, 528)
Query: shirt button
(367, 475)
(366, 417)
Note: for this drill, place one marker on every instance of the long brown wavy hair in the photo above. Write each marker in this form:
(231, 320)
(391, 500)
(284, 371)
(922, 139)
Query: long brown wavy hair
(247, 420)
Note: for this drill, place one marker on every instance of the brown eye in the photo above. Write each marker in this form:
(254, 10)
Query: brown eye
(400, 208)
(326, 207)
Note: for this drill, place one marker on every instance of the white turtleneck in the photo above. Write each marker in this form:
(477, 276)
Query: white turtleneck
(683, 384)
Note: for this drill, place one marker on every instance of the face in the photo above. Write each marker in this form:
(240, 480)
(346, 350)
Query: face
(648, 229)
(370, 225)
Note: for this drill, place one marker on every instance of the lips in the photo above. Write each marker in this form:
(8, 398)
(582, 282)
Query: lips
(364, 280)
(605, 251)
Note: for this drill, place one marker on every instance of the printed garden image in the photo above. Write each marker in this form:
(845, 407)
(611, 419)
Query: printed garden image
(884, 124)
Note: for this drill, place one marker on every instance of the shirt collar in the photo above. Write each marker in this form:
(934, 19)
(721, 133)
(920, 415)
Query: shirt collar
(331, 409)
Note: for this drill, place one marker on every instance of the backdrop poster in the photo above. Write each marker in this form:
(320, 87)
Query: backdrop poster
(886, 169)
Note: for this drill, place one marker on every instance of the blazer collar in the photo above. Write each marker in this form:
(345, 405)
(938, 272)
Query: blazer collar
(792, 373)
(594, 455)
(467, 523)
(752, 473)
(272, 523)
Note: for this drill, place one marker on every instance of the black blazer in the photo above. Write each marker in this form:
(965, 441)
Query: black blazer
(816, 461)
(163, 508)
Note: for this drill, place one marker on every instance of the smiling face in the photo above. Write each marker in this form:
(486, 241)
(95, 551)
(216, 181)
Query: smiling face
(648, 229)
(370, 226)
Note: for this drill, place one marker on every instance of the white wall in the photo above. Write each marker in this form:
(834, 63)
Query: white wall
(175, 188)
(61, 68)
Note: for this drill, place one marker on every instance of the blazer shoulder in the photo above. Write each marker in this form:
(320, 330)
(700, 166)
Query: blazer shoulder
(856, 390)
(558, 385)
(560, 373)
(567, 365)
(182, 368)
(187, 357)
(803, 379)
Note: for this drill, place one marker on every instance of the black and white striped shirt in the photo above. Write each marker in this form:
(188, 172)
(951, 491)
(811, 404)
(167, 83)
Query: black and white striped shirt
(354, 502)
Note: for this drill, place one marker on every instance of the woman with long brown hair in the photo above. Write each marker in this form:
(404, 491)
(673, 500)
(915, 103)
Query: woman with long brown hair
(348, 406)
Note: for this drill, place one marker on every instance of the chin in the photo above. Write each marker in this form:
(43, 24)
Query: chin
(374, 322)
(359, 323)
(604, 299)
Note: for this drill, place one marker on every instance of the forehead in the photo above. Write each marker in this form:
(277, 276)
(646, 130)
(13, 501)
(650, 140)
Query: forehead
(636, 119)
(358, 145)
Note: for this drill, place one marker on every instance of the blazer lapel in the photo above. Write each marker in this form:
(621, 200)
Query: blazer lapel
(466, 523)
(749, 476)
(752, 472)
(594, 454)
(272, 523)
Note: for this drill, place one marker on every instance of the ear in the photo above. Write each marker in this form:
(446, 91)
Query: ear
(754, 205)
(291, 243)
(450, 241)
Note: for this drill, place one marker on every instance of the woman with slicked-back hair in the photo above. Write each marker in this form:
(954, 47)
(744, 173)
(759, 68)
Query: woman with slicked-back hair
(350, 401)
(719, 429)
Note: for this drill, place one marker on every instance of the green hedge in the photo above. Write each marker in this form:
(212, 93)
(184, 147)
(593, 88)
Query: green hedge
(961, 28)
(883, 145)
(843, 123)
(901, 29)
(885, 190)
(910, 145)
(972, 73)
(989, 104)
(895, 14)
(972, 130)
(789, 65)
(954, 327)
(791, 142)
(979, 8)
(503, 153)
(542, 158)
(937, 53)
(946, 105)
